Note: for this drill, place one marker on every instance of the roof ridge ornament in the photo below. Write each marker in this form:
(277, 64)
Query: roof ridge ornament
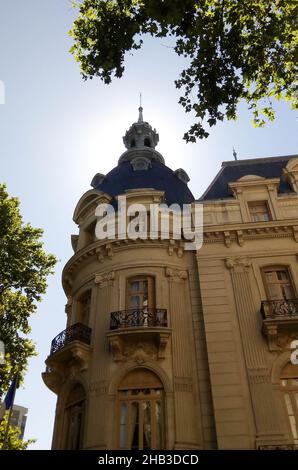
(140, 135)
(140, 110)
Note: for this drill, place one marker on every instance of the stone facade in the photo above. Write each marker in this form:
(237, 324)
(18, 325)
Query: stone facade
(208, 360)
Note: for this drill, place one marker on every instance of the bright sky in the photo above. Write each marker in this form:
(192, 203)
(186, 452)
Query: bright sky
(57, 131)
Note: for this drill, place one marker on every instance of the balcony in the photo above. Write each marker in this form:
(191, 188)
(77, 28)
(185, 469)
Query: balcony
(70, 346)
(138, 334)
(76, 332)
(136, 318)
(280, 322)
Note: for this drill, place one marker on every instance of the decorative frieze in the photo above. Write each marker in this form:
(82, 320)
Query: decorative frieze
(151, 348)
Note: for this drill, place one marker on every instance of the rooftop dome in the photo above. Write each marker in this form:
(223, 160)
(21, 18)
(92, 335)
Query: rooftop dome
(141, 166)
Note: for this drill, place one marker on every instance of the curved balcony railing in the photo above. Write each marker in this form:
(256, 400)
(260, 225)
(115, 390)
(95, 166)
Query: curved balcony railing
(136, 317)
(279, 308)
(76, 332)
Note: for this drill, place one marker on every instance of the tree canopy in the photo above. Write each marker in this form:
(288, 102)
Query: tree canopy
(24, 267)
(235, 50)
(12, 440)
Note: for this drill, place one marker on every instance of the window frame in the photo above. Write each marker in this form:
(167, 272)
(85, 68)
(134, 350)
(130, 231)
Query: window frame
(125, 395)
(69, 411)
(150, 291)
(291, 391)
(252, 204)
(278, 267)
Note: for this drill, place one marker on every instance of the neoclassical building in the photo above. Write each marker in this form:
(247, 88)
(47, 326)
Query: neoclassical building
(169, 348)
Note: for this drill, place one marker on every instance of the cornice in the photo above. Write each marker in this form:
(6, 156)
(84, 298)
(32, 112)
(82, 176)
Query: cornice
(105, 250)
(240, 233)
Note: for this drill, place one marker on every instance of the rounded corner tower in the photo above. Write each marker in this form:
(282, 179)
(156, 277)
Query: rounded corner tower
(125, 368)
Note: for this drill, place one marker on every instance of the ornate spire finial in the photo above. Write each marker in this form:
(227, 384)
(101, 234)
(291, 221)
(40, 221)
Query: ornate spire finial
(140, 110)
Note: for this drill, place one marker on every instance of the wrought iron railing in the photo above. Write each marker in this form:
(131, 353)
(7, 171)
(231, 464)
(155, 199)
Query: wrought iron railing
(76, 332)
(279, 308)
(136, 317)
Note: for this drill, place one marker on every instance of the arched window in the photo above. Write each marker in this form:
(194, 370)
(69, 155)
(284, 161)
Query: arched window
(278, 283)
(132, 143)
(140, 411)
(75, 411)
(289, 387)
(147, 142)
(84, 307)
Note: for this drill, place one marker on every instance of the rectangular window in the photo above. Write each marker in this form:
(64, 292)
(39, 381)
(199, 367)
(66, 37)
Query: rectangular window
(259, 211)
(278, 282)
(140, 293)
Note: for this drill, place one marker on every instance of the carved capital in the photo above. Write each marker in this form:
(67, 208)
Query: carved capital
(105, 279)
(238, 264)
(176, 274)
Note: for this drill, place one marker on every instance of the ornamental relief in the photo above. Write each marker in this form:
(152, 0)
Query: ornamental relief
(139, 352)
(105, 279)
(176, 274)
(238, 264)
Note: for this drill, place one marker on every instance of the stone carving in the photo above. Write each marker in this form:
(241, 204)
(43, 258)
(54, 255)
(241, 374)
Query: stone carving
(139, 352)
(104, 279)
(176, 274)
(239, 264)
(140, 163)
(182, 175)
(97, 180)
(227, 238)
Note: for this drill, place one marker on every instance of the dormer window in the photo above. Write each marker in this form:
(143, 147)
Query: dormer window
(132, 143)
(147, 142)
(259, 211)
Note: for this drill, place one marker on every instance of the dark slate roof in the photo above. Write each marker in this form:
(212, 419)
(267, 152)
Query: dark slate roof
(233, 170)
(159, 177)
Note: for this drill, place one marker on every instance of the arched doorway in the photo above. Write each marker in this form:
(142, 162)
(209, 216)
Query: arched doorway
(140, 411)
(75, 413)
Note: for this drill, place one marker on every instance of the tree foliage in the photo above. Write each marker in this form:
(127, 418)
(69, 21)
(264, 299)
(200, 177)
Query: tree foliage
(13, 441)
(24, 267)
(235, 50)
